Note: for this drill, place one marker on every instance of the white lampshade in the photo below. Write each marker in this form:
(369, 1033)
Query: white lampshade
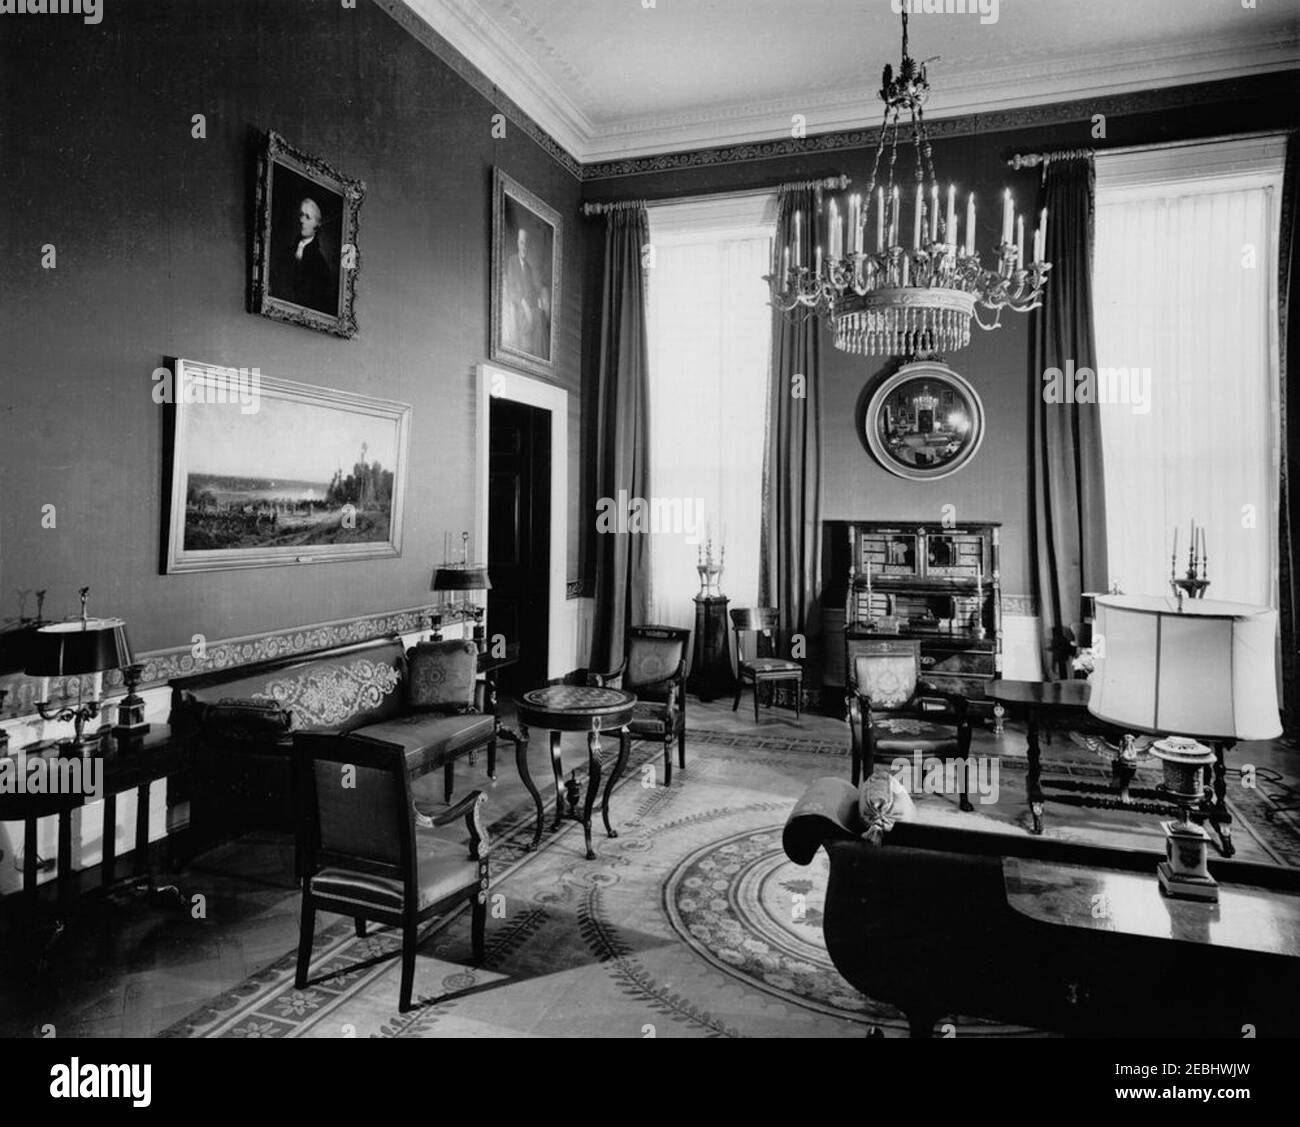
(1206, 671)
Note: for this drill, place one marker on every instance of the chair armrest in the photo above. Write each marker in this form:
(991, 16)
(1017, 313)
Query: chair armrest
(601, 680)
(470, 808)
(955, 701)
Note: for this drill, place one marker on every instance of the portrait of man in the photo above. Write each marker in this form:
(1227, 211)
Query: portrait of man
(306, 245)
(525, 276)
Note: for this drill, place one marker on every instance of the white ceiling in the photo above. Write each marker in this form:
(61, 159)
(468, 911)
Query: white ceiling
(619, 78)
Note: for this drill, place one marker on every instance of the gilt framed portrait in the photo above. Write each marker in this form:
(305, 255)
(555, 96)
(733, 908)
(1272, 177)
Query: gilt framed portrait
(527, 255)
(924, 422)
(267, 471)
(305, 254)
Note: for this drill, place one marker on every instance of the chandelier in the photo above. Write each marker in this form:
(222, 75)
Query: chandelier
(905, 301)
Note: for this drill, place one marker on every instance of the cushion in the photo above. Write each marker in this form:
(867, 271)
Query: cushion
(651, 661)
(903, 733)
(441, 676)
(773, 665)
(443, 868)
(429, 739)
(882, 800)
(247, 721)
(887, 680)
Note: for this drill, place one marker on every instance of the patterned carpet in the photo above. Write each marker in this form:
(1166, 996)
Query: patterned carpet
(691, 923)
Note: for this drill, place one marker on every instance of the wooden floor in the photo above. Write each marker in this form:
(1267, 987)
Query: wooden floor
(132, 967)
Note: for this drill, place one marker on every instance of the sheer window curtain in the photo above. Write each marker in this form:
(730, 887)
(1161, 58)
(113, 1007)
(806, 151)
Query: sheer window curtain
(1185, 275)
(709, 328)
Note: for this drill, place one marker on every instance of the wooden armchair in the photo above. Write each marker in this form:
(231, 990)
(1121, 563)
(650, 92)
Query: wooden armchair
(891, 709)
(654, 668)
(371, 855)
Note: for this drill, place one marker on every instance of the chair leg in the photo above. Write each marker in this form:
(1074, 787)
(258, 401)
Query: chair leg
(409, 933)
(360, 926)
(492, 758)
(798, 699)
(478, 926)
(740, 688)
(681, 744)
(307, 929)
(668, 758)
(757, 687)
(448, 778)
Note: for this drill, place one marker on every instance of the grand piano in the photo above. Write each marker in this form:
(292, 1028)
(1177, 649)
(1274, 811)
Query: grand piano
(1070, 938)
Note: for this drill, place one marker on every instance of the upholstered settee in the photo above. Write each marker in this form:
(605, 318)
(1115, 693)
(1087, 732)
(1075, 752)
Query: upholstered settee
(241, 724)
(1051, 934)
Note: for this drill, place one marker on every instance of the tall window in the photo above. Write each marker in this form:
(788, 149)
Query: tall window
(1185, 294)
(710, 339)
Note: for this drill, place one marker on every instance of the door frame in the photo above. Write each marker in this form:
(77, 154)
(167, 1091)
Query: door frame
(495, 382)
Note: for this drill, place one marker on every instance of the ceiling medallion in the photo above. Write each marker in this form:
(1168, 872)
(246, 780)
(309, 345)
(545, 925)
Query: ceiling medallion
(895, 301)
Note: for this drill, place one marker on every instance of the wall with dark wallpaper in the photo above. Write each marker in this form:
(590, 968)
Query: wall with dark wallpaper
(152, 230)
(995, 485)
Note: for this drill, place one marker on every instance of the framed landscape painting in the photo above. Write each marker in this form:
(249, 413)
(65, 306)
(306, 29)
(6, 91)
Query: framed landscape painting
(527, 255)
(305, 256)
(267, 471)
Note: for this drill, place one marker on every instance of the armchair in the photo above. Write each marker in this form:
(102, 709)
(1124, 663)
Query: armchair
(370, 854)
(654, 668)
(891, 709)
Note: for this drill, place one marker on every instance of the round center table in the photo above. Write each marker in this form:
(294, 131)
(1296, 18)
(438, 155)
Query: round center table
(574, 708)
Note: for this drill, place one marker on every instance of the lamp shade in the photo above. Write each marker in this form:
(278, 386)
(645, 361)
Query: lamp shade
(1205, 671)
(83, 646)
(470, 578)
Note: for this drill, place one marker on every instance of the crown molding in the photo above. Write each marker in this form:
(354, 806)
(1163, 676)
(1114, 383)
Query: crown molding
(508, 72)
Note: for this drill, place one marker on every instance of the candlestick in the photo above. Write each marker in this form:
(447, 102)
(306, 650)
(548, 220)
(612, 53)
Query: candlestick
(43, 689)
(950, 231)
(934, 213)
(893, 219)
(1008, 210)
(916, 219)
(970, 223)
(1020, 240)
(880, 220)
(855, 223)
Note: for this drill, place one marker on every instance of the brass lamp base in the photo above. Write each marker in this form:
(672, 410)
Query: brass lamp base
(1183, 874)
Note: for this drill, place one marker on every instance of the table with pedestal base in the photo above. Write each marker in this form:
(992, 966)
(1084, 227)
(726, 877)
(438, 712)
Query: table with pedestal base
(1064, 705)
(573, 708)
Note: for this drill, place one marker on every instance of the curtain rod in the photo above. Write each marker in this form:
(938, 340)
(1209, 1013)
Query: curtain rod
(827, 183)
(1033, 160)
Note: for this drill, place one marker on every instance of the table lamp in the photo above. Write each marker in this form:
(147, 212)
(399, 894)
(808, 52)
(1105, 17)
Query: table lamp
(71, 649)
(463, 577)
(1195, 670)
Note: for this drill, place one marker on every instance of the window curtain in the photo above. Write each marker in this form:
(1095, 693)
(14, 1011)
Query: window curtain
(1069, 511)
(709, 328)
(1289, 424)
(622, 434)
(1175, 299)
(790, 567)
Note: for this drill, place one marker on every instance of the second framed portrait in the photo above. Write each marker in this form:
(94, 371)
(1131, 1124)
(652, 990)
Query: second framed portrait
(305, 256)
(527, 256)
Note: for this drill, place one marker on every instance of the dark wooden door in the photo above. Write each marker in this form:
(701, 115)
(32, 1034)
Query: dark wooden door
(519, 537)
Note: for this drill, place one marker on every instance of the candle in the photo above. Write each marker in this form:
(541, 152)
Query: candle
(880, 220)
(950, 232)
(1038, 250)
(1008, 210)
(907, 272)
(817, 269)
(785, 265)
(43, 689)
(934, 213)
(798, 241)
(1173, 556)
(1020, 240)
(1191, 551)
(1042, 226)
(837, 248)
(970, 223)
(916, 219)
(893, 219)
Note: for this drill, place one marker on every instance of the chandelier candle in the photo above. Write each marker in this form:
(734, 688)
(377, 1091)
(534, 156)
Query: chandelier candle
(917, 298)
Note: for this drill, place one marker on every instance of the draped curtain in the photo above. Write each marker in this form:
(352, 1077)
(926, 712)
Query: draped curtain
(1289, 422)
(622, 434)
(1069, 512)
(790, 567)
(1175, 306)
(709, 328)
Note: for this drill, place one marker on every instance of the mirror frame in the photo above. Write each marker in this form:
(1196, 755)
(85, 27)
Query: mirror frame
(935, 372)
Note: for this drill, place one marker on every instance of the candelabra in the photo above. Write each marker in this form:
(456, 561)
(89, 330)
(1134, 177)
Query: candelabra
(1194, 582)
(896, 301)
